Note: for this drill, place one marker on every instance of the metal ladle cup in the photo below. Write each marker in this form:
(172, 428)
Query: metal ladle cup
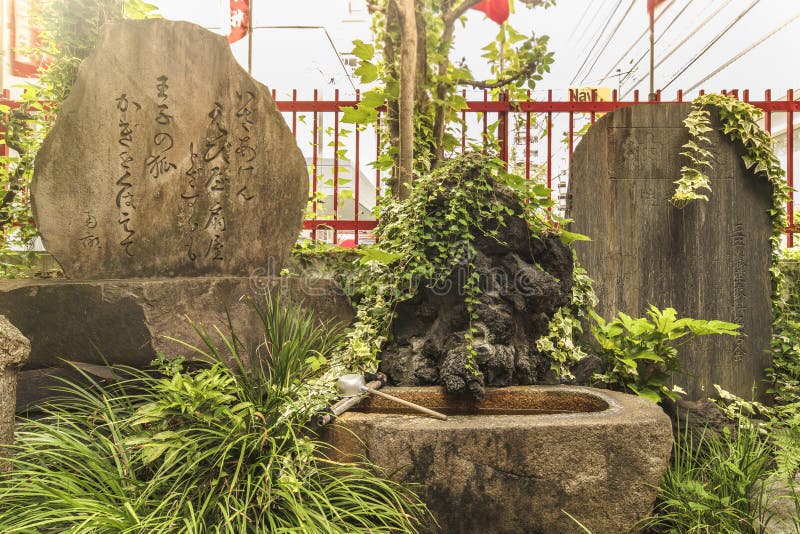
(353, 385)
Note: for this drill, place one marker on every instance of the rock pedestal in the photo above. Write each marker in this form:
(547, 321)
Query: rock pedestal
(709, 260)
(130, 321)
(524, 279)
(14, 351)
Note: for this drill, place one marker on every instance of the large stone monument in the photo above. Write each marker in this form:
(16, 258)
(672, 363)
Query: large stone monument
(709, 260)
(170, 187)
(168, 159)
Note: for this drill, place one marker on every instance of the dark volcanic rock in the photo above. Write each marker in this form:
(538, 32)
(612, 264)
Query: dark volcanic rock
(524, 279)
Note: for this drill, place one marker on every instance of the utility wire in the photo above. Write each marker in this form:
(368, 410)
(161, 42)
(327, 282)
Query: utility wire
(587, 36)
(660, 35)
(599, 36)
(677, 47)
(580, 21)
(645, 32)
(608, 40)
(738, 56)
(712, 43)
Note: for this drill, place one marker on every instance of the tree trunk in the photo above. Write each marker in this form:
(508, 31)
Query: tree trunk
(408, 75)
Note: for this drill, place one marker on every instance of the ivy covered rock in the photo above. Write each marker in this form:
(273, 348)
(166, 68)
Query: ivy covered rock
(474, 270)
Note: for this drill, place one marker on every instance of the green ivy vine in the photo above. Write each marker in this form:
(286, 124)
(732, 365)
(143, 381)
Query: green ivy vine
(739, 121)
(563, 341)
(424, 238)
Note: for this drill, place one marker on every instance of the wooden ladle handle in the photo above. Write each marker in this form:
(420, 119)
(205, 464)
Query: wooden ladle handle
(417, 407)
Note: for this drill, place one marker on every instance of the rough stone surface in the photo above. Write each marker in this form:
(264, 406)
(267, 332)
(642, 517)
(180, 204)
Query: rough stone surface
(167, 159)
(516, 473)
(14, 351)
(709, 260)
(128, 321)
(523, 283)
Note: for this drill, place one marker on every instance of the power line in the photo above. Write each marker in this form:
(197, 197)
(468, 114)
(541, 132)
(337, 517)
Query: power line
(580, 21)
(712, 43)
(677, 47)
(628, 51)
(608, 40)
(586, 38)
(738, 56)
(660, 35)
(600, 35)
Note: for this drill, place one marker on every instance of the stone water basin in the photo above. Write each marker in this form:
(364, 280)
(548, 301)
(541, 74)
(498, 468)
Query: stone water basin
(517, 461)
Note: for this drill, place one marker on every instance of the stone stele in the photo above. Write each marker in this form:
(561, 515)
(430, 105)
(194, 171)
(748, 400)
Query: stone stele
(168, 159)
(709, 260)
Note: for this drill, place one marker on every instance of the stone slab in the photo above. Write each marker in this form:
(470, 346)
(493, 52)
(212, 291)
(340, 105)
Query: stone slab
(168, 159)
(128, 321)
(508, 474)
(709, 260)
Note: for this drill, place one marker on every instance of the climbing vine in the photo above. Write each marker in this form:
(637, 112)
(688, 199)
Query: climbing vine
(739, 121)
(563, 342)
(427, 237)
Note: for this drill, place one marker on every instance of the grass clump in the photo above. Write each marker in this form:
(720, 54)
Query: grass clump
(716, 482)
(203, 450)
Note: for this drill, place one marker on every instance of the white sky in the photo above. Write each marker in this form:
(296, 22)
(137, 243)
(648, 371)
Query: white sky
(305, 58)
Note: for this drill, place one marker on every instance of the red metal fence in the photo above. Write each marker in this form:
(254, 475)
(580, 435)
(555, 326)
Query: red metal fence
(527, 140)
(344, 187)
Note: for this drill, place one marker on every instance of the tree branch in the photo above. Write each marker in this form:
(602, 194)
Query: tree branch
(502, 82)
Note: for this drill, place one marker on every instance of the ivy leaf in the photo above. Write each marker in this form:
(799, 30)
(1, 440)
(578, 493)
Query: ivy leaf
(373, 98)
(358, 115)
(377, 254)
(362, 50)
(646, 393)
(367, 72)
(570, 237)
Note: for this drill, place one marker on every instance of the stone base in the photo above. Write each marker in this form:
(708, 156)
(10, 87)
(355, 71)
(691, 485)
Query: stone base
(130, 321)
(508, 474)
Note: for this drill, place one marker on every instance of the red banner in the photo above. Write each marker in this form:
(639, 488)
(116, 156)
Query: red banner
(24, 37)
(497, 10)
(239, 20)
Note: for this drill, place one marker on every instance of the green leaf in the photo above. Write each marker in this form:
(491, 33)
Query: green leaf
(362, 50)
(570, 237)
(373, 98)
(367, 72)
(647, 393)
(375, 253)
(358, 115)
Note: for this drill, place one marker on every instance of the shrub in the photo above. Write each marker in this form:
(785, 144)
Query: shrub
(639, 354)
(707, 487)
(208, 450)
